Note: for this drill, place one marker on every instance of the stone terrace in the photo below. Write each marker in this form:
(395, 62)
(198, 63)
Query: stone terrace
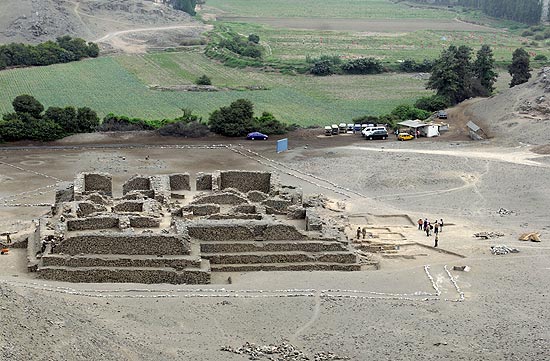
(164, 229)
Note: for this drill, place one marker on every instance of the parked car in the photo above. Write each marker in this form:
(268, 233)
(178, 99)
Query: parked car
(377, 134)
(442, 114)
(405, 136)
(256, 136)
(368, 131)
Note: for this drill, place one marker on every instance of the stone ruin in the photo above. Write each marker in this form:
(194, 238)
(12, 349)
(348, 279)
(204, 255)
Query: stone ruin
(161, 229)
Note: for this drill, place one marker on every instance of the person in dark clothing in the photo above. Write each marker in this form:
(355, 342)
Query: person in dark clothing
(441, 225)
(420, 223)
(436, 239)
(425, 223)
(436, 228)
(364, 232)
(358, 232)
(428, 229)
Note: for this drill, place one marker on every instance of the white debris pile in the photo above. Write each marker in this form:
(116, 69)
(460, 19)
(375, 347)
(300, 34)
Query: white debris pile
(505, 212)
(282, 352)
(502, 249)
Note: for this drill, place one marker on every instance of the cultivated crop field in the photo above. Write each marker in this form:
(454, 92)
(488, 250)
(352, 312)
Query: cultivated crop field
(121, 85)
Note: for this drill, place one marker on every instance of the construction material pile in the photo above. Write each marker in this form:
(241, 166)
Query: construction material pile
(532, 236)
(502, 249)
(282, 352)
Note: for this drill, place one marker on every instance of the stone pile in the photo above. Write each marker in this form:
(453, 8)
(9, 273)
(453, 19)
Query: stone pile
(283, 352)
(502, 249)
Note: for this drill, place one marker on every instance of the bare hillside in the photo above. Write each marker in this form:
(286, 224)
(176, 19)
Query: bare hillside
(111, 22)
(518, 115)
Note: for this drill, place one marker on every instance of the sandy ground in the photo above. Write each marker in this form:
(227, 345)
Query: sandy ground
(390, 314)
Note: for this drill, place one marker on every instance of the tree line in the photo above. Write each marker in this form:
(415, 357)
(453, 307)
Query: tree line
(30, 121)
(65, 49)
(523, 11)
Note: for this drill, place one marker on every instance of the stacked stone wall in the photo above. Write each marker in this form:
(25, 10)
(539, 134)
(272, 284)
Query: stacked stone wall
(92, 223)
(203, 182)
(136, 183)
(122, 243)
(180, 182)
(246, 181)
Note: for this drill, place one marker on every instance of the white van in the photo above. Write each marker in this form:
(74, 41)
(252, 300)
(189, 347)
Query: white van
(368, 131)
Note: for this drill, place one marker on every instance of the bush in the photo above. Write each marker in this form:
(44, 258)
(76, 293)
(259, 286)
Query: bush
(233, 121)
(115, 123)
(13, 130)
(253, 38)
(269, 125)
(182, 129)
(547, 33)
(323, 68)
(28, 105)
(539, 37)
(411, 66)
(527, 33)
(405, 112)
(432, 103)
(363, 66)
(540, 57)
(365, 119)
(203, 80)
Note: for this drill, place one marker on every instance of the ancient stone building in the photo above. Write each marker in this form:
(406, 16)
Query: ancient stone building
(164, 229)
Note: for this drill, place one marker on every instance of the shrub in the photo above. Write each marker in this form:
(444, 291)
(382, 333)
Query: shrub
(268, 124)
(323, 68)
(405, 112)
(432, 103)
(527, 33)
(233, 121)
(253, 38)
(365, 119)
(547, 33)
(411, 66)
(193, 129)
(539, 37)
(13, 130)
(540, 57)
(203, 80)
(115, 123)
(363, 66)
(27, 104)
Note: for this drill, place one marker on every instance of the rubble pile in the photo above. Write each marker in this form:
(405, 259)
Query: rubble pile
(488, 235)
(505, 212)
(283, 352)
(531, 236)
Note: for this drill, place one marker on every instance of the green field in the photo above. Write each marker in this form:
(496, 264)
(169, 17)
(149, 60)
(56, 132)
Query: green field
(120, 85)
(367, 9)
(125, 84)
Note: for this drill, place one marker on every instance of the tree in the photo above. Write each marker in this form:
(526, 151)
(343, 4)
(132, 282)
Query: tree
(185, 5)
(253, 38)
(27, 104)
(363, 66)
(443, 79)
(268, 124)
(432, 103)
(483, 68)
(233, 121)
(323, 68)
(203, 80)
(519, 69)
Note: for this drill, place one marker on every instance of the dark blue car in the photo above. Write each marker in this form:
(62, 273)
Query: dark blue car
(256, 136)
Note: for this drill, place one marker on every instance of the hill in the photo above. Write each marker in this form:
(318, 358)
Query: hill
(117, 24)
(517, 115)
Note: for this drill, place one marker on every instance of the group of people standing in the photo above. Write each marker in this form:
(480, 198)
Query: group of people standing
(426, 226)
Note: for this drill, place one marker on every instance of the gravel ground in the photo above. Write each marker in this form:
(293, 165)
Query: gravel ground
(390, 314)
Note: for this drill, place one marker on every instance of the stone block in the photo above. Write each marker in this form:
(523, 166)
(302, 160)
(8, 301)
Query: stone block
(136, 183)
(203, 182)
(203, 209)
(84, 209)
(144, 222)
(296, 212)
(257, 196)
(64, 192)
(313, 221)
(98, 182)
(179, 182)
(246, 181)
(220, 198)
(92, 223)
(244, 208)
(129, 206)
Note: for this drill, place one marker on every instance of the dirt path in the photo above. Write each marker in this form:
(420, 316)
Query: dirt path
(516, 156)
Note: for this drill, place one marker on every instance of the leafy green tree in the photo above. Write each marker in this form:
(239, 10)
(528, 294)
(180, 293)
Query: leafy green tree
(323, 68)
(27, 104)
(13, 130)
(363, 66)
(86, 120)
(519, 69)
(185, 5)
(444, 80)
(203, 80)
(268, 124)
(405, 112)
(253, 38)
(432, 103)
(483, 68)
(233, 121)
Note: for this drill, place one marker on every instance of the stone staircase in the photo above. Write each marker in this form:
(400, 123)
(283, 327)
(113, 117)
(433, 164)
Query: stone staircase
(120, 257)
(303, 255)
